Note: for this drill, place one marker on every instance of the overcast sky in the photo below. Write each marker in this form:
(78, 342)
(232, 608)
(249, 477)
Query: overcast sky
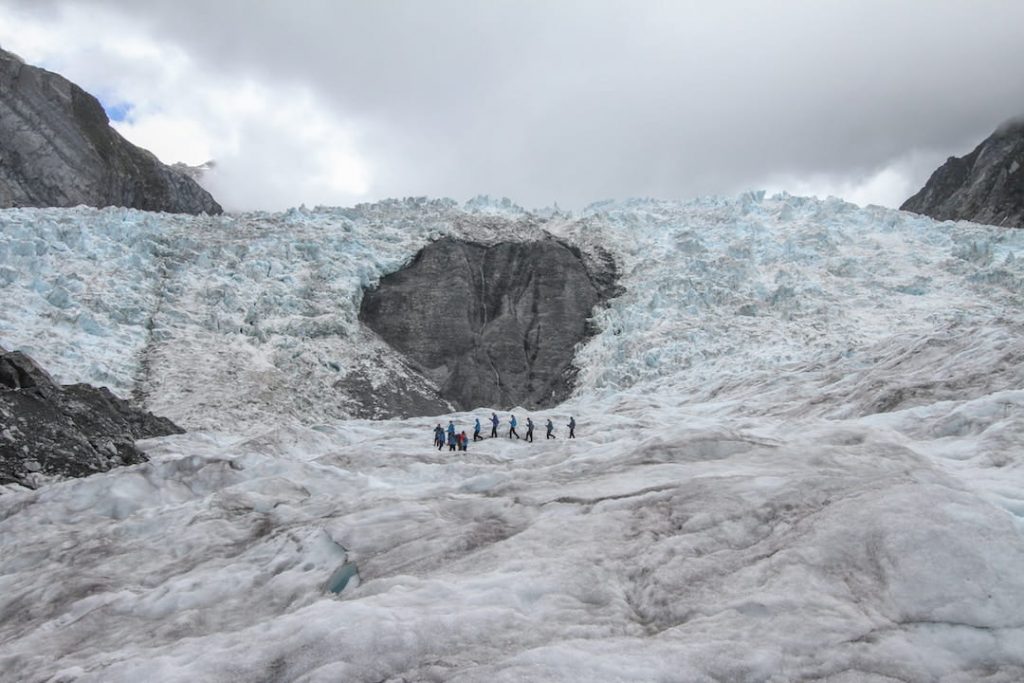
(333, 102)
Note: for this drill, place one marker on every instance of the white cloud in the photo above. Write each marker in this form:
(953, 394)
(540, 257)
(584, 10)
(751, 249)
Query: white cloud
(890, 185)
(334, 101)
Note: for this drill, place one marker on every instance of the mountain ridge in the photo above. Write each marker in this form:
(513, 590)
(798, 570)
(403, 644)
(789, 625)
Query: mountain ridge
(57, 149)
(983, 186)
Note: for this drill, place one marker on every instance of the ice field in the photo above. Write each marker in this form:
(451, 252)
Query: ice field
(801, 429)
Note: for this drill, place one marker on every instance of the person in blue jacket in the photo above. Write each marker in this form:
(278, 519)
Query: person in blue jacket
(551, 429)
(451, 435)
(512, 426)
(494, 425)
(453, 441)
(476, 431)
(439, 436)
(529, 429)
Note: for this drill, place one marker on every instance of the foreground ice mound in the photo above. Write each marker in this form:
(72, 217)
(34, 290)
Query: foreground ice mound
(660, 545)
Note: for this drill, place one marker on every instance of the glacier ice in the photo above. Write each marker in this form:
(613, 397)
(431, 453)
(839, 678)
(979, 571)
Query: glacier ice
(231, 319)
(798, 456)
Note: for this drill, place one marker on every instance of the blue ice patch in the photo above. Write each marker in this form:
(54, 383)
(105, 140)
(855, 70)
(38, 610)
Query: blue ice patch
(341, 576)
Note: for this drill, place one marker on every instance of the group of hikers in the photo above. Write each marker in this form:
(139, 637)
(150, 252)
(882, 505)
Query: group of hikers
(458, 441)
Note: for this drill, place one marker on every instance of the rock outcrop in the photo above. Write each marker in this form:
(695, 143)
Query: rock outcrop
(69, 431)
(492, 325)
(57, 149)
(389, 387)
(986, 186)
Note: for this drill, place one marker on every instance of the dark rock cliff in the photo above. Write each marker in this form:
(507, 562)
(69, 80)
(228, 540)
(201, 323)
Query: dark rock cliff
(491, 325)
(57, 149)
(986, 186)
(69, 431)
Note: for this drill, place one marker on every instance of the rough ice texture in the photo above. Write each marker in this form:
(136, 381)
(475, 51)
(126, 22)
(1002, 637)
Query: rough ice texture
(48, 430)
(58, 149)
(662, 544)
(219, 321)
(492, 325)
(799, 456)
(985, 186)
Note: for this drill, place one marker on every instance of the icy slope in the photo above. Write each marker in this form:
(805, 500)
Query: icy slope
(800, 449)
(240, 319)
(719, 292)
(661, 545)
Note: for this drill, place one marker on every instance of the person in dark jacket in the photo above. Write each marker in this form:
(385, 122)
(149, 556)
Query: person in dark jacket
(529, 429)
(572, 427)
(551, 429)
(476, 431)
(494, 425)
(439, 436)
(512, 426)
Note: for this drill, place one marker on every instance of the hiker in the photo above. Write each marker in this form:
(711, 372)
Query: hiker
(453, 440)
(572, 427)
(451, 430)
(494, 425)
(529, 429)
(551, 428)
(512, 426)
(465, 441)
(439, 436)
(476, 431)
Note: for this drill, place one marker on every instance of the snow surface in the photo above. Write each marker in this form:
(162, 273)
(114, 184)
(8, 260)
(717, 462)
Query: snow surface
(799, 456)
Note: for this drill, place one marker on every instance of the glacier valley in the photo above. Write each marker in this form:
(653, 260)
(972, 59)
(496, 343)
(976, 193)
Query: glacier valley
(799, 455)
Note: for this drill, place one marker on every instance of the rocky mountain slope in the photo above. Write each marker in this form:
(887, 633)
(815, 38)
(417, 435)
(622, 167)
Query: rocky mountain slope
(52, 430)
(58, 149)
(985, 186)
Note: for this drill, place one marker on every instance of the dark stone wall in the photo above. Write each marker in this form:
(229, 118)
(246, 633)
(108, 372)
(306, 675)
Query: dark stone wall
(985, 186)
(57, 149)
(68, 431)
(494, 325)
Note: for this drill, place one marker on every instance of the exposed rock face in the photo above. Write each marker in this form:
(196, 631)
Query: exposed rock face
(71, 431)
(58, 149)
(986, 186)
(491, 325)
(395, 389)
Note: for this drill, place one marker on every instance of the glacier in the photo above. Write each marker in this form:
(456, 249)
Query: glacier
(798, 455)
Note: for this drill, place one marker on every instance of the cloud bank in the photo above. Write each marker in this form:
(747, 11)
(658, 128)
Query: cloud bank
(335, 102)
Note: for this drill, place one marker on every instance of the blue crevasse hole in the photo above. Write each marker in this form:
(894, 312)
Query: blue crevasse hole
(342, 577)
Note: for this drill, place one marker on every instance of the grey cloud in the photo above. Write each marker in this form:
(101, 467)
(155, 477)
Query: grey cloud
(574, 101)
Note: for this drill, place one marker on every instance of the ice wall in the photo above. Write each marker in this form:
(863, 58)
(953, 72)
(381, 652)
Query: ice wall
(253, 317)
